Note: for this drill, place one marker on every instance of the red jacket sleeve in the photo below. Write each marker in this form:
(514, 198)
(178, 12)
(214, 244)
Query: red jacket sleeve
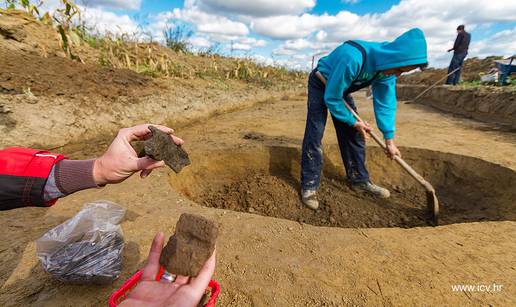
(23, 174)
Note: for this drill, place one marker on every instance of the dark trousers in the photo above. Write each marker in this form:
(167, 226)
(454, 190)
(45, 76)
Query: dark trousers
(456, 62)
(351, 142)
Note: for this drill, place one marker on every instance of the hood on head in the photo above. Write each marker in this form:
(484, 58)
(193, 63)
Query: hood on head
(406, 50)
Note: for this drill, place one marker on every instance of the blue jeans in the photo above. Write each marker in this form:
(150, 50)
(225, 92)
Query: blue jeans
(351, 142)
(456, 62)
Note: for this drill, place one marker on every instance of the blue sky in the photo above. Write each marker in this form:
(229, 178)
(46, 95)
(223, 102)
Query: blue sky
(289, 32)
(359, 7)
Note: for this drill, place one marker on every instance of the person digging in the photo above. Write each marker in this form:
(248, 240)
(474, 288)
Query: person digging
(350, 67)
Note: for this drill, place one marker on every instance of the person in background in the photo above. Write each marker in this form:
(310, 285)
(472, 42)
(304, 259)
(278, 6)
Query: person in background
(460, 51)
(31, 177)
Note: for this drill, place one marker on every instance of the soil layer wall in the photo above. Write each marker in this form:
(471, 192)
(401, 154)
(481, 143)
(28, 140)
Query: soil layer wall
(492, 105)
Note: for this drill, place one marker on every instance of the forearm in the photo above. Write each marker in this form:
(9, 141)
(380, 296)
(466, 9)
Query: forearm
(384, 103)
(68, 177)
(386, 124)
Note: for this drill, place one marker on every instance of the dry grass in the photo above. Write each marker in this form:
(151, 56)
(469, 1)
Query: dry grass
(156, 60)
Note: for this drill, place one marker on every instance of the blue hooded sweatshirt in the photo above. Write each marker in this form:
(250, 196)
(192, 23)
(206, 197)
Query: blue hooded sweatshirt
(342, 65)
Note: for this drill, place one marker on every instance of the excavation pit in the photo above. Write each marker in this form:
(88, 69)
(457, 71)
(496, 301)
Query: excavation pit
(264, 180)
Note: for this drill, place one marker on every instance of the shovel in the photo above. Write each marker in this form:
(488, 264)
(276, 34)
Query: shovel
(432, 86)
(432, 203)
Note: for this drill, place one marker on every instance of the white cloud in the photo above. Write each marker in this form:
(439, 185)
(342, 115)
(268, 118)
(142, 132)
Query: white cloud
(291, 64)
(282, 51)
(260, 59)
(199, 42)
(321, 35)
(292, 27)
(297, 44)
(226, 27)
(253, 41)
(258, 8)
(210, 29)
(98, 18)
(114, 4)
(240, 46)
(501, 43)
(469, 11)
(302, 57)
(207, 23)
(260, 43)
(107, 22)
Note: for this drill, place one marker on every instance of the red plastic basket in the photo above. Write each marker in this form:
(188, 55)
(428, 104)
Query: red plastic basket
(119, 295)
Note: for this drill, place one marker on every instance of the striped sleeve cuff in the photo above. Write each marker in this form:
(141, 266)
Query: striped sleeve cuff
(74, 175)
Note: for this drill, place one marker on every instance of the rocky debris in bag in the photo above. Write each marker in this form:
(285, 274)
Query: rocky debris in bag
(191, 245)
(88, 262)
(161, 147)
(86, 249)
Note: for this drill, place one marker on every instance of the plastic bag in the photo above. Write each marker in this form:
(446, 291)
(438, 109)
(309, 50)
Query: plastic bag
(86, 249)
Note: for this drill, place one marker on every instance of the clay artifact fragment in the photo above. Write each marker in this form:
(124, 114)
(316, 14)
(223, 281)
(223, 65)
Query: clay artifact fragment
(161, 147)
(191, 245)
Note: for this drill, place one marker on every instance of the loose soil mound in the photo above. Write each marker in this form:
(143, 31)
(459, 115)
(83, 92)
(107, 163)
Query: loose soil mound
(264, 180)
(21, 32)
(31, 58)
(57, 76)
(339, 206)
(470, 72)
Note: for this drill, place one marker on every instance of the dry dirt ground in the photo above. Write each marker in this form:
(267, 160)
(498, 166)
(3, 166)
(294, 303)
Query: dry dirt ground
(371, 255)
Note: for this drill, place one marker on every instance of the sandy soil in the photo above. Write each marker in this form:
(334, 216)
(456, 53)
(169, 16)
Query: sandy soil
(279, 262)
(51, 122)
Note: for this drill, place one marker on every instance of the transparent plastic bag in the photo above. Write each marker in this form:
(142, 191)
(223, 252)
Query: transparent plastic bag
(86, 249)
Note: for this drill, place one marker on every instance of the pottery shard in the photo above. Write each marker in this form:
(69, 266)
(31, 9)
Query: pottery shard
(191, 245)
(161, 147)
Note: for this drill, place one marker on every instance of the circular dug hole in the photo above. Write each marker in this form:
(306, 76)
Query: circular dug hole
(264, 180)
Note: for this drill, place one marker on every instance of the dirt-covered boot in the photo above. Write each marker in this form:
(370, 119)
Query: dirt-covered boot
(371, 189)
(309, 199)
